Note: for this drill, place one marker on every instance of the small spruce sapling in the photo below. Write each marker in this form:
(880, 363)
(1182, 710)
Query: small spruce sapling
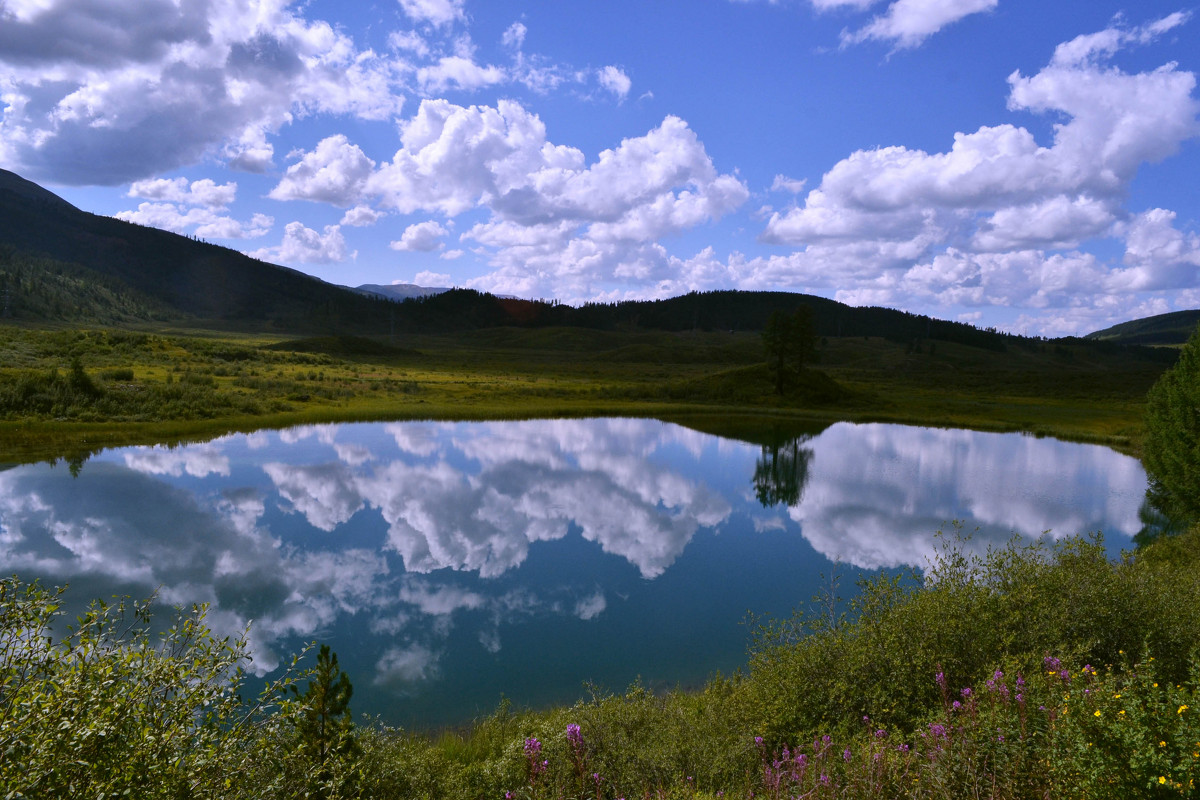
(324, 727)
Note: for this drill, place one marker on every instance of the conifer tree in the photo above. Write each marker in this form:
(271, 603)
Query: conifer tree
(790, 340)
(324, 727)
(1172, 446)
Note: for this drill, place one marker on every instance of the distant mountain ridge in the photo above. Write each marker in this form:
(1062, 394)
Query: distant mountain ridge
(61, 264)
(399, 291)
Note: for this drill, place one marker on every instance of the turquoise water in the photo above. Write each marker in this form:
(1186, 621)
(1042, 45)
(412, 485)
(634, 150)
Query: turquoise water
(449, 564)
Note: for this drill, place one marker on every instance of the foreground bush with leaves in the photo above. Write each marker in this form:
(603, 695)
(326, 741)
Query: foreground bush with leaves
(1032, 671)
(106, 708)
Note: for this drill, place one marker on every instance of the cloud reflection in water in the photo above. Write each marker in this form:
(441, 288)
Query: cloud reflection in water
(413, 543)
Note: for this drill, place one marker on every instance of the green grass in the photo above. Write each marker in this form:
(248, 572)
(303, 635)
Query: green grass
(200, 383)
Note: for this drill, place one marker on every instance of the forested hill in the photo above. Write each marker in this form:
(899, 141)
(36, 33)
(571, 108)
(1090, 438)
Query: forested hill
(462, 309)
(1172, 328)
(59, 264)
(42, 237)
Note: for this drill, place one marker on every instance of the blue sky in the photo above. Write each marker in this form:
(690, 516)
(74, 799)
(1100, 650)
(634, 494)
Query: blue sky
(1026, 165)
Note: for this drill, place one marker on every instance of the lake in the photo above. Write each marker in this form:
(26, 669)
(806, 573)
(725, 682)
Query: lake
(451, 564)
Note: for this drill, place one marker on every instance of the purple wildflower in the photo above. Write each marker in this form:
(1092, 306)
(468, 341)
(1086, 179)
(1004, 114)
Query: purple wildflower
(966, 692)
(957, 705)
(846, 755)
(824, 780)
(574, 736)
(880, 734)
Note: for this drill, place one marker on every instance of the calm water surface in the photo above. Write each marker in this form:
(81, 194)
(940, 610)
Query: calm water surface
(451, 563)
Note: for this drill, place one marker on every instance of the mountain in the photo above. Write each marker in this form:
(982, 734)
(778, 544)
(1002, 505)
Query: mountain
(1173, 328)
(399, 291)
(171, 275)
(59, 264)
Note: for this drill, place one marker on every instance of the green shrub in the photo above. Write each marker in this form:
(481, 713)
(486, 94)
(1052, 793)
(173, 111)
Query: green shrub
(106, 708)
(117, 374)
(966, 616)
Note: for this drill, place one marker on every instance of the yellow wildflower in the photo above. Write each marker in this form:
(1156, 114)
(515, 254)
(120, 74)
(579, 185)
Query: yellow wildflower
(1097, 713)
(1182, 709)
(1161, 779)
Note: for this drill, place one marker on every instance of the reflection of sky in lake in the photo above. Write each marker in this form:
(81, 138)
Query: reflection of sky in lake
(448, 563)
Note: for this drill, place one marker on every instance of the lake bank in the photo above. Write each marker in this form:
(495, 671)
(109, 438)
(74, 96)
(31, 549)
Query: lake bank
(142, 388)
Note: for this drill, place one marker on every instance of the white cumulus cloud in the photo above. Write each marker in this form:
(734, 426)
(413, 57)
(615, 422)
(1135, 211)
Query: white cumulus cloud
(436, 12)
(104, 93)
(908, 23)
(335, 172)
(196, 207)
(303, 245)
(616, 81)
(999, 218)
(421, 237)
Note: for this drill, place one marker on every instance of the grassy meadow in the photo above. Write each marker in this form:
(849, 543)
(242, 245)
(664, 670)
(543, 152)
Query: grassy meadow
(67, 392)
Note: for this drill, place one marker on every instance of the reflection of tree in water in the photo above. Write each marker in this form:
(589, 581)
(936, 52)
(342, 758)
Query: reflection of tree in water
(781, 472)
(1156, 521)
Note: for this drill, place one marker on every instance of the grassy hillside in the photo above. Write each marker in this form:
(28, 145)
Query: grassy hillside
(189, 277)
(1162, 329)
